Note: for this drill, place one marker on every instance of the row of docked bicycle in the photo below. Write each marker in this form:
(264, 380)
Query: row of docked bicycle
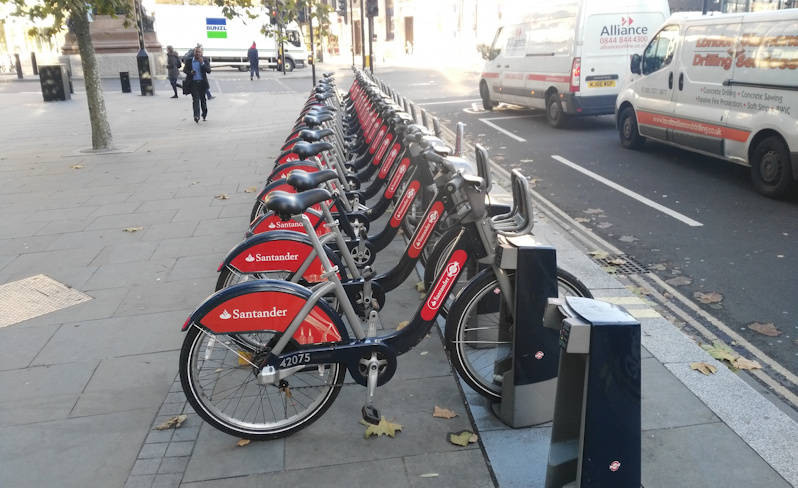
(298, 300)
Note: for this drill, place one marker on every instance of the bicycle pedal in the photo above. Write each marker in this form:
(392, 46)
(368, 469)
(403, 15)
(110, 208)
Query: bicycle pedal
(371, 414)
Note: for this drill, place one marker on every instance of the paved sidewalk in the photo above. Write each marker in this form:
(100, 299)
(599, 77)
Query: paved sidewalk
(141, 231)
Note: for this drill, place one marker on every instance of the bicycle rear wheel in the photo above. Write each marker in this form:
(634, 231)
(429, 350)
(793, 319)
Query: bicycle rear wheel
(479, 330)
(221, 386)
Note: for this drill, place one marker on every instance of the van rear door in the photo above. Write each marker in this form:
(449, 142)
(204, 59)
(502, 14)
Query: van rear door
(609, 40)
(701, 102)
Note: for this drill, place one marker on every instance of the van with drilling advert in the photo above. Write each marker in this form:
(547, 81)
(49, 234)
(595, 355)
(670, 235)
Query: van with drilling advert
(568, 57)
(725, 86)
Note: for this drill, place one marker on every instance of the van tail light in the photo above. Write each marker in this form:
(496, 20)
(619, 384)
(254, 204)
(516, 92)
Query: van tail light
(576, 71)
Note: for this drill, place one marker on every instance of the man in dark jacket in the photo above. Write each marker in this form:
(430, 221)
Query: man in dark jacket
(196, 83)
(252, 54)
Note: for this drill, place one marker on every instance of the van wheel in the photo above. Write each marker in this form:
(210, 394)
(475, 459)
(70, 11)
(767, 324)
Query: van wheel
(289, 65)
(554, 112)
(770, 168)
(243, 68)
(627, 129)
(484, 92)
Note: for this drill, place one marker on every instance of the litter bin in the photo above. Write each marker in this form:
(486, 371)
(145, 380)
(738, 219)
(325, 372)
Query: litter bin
(595, 435)
(55, 82)
(124, 78)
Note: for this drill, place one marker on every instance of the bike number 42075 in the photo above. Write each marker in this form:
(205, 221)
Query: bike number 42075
(294, 360)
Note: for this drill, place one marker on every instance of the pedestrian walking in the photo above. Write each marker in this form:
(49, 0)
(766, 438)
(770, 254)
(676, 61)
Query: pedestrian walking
(252, 54)
(187, 59)
(197, 82)
(173, 68)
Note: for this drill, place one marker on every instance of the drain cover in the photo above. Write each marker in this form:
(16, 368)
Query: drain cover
(34, 296)
(621, 264)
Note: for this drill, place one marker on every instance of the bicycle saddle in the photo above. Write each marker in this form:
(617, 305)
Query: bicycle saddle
(303, 181)
(286, 204)
(305, 149)
(311, 135)
(316, 120)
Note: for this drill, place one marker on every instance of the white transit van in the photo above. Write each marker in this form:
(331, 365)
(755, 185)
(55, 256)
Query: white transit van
(568, 57)
(723, 85)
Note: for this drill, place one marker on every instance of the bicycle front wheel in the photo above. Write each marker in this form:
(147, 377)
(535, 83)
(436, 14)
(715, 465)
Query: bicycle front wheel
(221, 386)
(479, 330)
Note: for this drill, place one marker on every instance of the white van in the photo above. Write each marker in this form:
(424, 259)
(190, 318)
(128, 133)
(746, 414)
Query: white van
(723, 85)
(568, 56)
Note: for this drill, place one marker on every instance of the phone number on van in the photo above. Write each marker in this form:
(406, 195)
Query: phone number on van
(623, 39)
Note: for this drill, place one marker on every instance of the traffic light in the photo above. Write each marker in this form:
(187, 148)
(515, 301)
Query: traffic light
(273, 16)
(372, 8)
(342, 11)
(342, 5)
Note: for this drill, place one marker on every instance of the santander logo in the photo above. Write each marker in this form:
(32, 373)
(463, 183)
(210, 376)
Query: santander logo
(260, 258)
(284, 225)
(444, 284)
(397, 178)
(427, 229)
(253, 314)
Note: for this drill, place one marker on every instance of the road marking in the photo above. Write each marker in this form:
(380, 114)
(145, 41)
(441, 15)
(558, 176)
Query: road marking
(630, 193)
(446, 103)
(487, 121)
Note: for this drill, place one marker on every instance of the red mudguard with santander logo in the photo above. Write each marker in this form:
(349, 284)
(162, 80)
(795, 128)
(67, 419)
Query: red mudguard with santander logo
(269, 222)
(279, 250)
(268, 305)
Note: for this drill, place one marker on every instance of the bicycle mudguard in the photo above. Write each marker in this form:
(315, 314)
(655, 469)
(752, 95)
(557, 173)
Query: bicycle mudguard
(282, 170)
(279, 250)
(269, 221)
(268, 305)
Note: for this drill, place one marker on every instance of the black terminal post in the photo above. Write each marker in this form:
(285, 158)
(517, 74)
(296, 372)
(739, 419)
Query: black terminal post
(372, 10)
(142, 59)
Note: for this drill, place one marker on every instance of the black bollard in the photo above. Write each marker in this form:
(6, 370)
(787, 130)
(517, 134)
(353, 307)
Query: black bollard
(33, 63)
(18, 66)
(145, 76)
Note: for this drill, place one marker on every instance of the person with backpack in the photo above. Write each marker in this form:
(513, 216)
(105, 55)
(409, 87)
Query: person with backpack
(173, 68)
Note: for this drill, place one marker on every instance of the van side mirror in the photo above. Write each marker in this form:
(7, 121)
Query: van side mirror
(634, 67)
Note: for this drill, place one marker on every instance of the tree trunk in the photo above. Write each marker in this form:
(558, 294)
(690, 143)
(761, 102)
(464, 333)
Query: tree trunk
(101, 137)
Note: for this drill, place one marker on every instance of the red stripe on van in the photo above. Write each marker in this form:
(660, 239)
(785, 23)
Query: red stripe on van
(490, 75)
(692, 126)
(553, 78)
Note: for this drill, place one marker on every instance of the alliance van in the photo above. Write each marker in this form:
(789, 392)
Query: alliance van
(725, 86)
(568, 57)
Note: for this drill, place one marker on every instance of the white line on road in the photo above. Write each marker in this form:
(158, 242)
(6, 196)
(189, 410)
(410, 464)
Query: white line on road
(488, 122)
(630, 193)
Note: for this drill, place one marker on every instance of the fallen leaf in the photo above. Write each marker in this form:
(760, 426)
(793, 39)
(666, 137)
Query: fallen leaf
(705, 368)
(243, 442)
(708, 297)
(223, 196)
(610, 269)
(132, 229)
(679, 281)
(420, 287)
(582, 219)
(383, 428)
(77, 166)
(251, 189)
(593, 211)
(443, 413)
(244, 358)
(402, 325)
(657, 267)
(599, 254)
(768, 329)
(742, 363)
(720, 351)
(617, 261)
(462, 438)
(430, 475)
(173, 422)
